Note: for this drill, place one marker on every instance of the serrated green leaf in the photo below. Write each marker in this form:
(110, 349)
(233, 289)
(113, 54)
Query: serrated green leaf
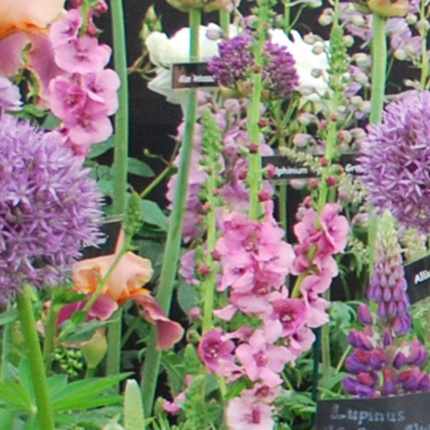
(139, 168)
(100, 148)
(152, 214)
(15, 395)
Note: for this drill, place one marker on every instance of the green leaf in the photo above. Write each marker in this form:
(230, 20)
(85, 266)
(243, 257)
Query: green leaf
(139, 168)
(83, 332)
(15, 395)
(188, 296)
(8, 316)
(174, 366)
(87, 393)
(152, 214)
(100, 148)
(105, 187)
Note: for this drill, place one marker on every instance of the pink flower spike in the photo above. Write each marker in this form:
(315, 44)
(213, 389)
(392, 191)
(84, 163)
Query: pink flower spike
(83, 55)
(168, 332)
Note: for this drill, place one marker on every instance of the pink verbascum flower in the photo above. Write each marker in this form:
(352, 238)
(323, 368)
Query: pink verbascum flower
(262, 359)
(249, 413)
(216, 352)
(82, 55)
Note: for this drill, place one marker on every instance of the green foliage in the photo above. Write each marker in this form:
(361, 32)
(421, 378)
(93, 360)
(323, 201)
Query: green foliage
(139, 168)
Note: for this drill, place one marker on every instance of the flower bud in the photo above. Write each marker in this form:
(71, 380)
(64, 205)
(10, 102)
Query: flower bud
(364, 315)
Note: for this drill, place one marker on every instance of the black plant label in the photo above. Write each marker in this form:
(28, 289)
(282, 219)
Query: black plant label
(386, 413)
(192, 75)
(417, 275)
(111, 230)
(285, 168)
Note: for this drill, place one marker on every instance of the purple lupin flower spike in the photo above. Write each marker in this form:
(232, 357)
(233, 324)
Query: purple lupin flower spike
(383, 363)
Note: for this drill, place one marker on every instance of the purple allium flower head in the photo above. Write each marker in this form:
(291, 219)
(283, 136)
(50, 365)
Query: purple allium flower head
(234, 61)
(49, 207)
(232, 67)
(396, 161)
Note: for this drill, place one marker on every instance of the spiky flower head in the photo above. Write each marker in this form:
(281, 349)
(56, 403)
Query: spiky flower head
(233, 66)
(383, 363)
(396, 161)
(49, 207)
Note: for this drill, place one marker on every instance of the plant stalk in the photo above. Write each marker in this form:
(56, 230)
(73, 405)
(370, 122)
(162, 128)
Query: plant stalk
(113, 361)
(35, 359)
(173, 242)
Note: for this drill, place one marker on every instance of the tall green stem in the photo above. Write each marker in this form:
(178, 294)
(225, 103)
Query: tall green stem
(173, 241)
(120, 162)
(254, 159)
(379, 68)
(379, 71)
(34, 353)
(224, 22)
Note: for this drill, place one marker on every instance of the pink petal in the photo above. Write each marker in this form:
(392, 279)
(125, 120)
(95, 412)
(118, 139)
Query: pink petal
(169, 332)
(10, 53)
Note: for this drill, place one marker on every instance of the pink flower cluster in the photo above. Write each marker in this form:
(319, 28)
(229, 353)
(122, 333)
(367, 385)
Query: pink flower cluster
(85, 94)
(320, 237)
(255, 261)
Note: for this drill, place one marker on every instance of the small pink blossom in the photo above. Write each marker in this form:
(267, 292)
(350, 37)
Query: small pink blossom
(263, 360)
(65, 95)
(66, 30)
(82, 55)
(102, 88)
(217, 353)
(88, 124)
(246, 413)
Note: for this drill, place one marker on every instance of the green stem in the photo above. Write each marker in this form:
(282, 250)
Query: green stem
(379, 67)
(210, 283)
(156, 181)
(325, 349)
(254, 158)
(113, 360)
(173, 241)
(379, 71)
(287, 15)
(35, 359)
(50, 330)
(224, 22)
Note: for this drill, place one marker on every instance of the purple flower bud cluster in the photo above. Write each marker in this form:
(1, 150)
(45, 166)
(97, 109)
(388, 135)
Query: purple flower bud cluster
(382, 363)
(231, 69)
